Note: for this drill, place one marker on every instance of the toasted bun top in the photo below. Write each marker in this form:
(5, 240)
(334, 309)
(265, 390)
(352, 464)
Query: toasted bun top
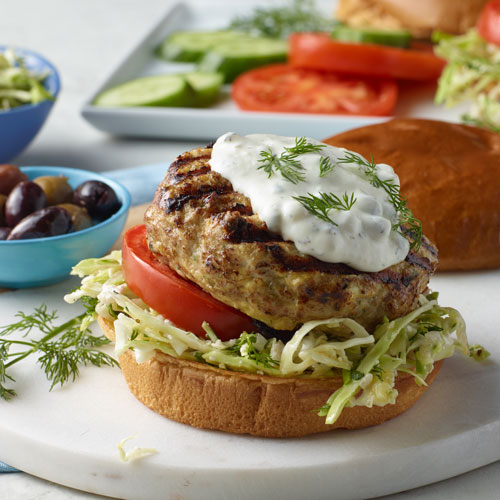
(450, 174)
(421, 18)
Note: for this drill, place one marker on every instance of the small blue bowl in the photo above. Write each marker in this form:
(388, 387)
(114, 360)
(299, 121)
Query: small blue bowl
(43, 261)
(19, 126)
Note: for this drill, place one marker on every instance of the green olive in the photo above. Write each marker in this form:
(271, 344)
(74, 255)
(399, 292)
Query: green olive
(55, 188)
(3, 199)
(79, 215)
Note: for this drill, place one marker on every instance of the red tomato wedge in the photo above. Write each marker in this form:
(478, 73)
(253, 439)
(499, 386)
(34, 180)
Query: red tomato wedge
(282, 88)
(319, 51)
(180, 301)
(488, 23)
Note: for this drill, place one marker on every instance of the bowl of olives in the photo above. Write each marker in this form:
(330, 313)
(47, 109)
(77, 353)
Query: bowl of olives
(53, 217)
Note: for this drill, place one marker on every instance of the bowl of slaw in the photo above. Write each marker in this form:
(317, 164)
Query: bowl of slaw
(29, 85)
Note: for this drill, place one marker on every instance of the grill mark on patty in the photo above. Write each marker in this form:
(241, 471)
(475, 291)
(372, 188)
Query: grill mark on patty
(177, 177)
(241, 208)
(424, 242)
(176, 203)
(183, 160)
(288, 262)
(419, 260)
(240, 230)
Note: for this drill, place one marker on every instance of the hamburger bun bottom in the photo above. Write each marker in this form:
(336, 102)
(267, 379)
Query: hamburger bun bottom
(208, 397)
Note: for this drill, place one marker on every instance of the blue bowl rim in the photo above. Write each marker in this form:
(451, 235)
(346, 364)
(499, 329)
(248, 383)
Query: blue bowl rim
(46, 62)
(120, 190)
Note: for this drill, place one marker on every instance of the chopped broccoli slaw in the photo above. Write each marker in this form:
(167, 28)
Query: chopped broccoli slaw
(337, 347)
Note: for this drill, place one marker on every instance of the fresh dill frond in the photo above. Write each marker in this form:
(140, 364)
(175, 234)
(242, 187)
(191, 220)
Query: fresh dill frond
(289, 167)
(326, 165)
(321, 205)
(246, 342)
(281, 21)
(287, 164)
(407, 223)
(302, 147)
(61, 350)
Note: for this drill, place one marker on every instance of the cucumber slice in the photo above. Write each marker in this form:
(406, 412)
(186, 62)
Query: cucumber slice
(206, 87)
(161, 90)
(190, 46)
(240, 55)
(392, 38)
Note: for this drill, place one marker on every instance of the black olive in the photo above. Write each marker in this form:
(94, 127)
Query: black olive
(50, 221)
(98, 198)
(10, 175)
(25, 198)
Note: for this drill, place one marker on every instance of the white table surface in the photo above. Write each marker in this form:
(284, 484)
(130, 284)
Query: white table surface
(84, 39)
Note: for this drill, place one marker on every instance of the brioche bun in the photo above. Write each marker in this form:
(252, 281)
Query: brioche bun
(420, 18)
(450, 174)
(207, 397)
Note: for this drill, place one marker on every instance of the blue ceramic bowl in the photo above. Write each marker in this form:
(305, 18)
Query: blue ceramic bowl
(19, 126)
(43, 261)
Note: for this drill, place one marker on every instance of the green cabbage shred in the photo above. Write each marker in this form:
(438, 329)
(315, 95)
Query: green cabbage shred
(472, 74)
(333, 347)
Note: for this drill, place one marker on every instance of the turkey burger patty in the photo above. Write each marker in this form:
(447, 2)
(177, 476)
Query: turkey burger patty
(208, 233)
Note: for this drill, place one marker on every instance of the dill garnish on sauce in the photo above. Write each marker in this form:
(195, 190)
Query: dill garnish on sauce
(288, 164)
(407, 223)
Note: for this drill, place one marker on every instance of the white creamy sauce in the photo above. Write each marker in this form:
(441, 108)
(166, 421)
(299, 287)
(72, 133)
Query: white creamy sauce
(363, 237)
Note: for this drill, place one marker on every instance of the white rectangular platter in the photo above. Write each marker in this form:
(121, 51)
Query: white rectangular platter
(415, 100)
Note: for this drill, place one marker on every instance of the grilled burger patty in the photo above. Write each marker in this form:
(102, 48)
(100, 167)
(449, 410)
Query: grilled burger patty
(204, 230)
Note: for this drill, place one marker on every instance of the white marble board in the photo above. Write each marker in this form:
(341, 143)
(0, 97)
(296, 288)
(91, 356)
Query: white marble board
(70, 435)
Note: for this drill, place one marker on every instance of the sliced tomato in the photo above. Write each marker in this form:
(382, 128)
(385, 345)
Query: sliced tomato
(282, 88)
(488, 23)
(180, 301)
(319, 51)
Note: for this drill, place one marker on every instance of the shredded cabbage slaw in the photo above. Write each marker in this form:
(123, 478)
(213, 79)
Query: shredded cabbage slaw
(368, 362)
(18, 85)
(472, 74)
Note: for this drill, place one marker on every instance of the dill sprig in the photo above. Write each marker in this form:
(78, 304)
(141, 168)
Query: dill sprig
(61, 350)
(287, 164)
(407, 223)
(246, 342)
(321, 205)
(281, 21)
(326, 165)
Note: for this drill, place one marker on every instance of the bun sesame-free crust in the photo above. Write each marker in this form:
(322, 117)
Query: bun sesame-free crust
(208, 397)
(450, 174)
(420, 18)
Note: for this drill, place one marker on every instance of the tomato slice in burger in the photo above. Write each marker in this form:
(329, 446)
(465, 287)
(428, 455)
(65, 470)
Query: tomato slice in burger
(319, 51)
(180, 301)
(282, 88)
(488, 23)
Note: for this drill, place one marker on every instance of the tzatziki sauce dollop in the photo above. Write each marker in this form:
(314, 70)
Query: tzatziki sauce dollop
(361, 236)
